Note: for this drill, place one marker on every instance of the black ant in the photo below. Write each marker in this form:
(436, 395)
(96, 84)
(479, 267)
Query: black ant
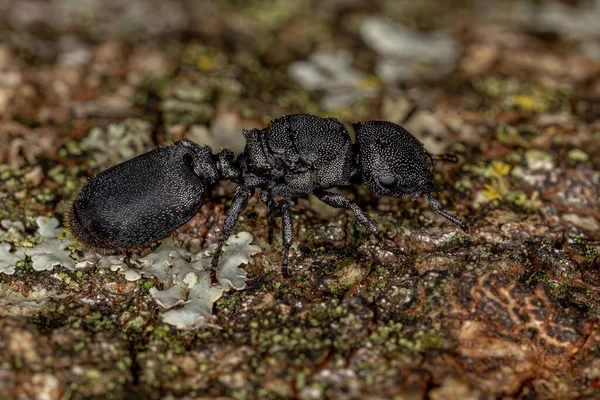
(145, 198)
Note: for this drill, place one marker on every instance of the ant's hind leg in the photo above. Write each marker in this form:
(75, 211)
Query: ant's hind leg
(339, 201)
(239, 203)
(286, 233)
(437, 207)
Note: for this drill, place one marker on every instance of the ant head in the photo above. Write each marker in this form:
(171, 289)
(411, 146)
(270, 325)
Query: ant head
(392, 162)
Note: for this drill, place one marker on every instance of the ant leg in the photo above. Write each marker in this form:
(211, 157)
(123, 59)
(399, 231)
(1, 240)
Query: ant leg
(281, 207)
(240, 202)
(274, 209)
(437, 207)
(339, 201)
(286, 233)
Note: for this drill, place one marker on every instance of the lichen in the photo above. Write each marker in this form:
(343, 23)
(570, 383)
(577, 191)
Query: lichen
(118, 141)
(184, 276)
(406, 54)
(186, 279)
(332, 73)
(9, 260)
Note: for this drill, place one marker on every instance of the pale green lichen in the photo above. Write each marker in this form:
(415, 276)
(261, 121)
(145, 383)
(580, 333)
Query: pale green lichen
(7, 224)
(188, 282)
(169, 298)
(48, 227)
(185, 276)
(45, 256)
(119, 141)
(333, 73)
(51, 252)
(13, 232)
(198, 308)
(405, 53)
(9, 260)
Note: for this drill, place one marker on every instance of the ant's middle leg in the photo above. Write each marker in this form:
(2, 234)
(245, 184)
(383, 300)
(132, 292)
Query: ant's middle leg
(240, 202)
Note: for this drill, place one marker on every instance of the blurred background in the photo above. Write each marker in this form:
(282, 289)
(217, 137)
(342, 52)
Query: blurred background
(510, 309)
(206, 69)
(114, 78)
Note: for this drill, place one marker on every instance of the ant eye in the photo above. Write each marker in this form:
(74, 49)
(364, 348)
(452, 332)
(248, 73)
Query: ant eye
(388, 181)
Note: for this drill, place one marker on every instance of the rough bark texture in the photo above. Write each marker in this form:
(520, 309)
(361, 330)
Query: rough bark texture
(508, 310)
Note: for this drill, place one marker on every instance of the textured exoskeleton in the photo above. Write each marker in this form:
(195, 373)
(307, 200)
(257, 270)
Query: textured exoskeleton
(294, 156)
(392, 162)
(142, 199)
(145, 198)
(297, 154)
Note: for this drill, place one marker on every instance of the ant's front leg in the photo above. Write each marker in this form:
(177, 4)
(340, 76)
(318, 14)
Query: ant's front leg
(339, 201)
(437, 207)
(240, 202)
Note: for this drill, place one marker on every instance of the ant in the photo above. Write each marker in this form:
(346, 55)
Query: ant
(149, 196)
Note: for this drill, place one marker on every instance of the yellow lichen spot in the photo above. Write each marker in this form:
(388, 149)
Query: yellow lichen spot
(370, 82)
(526, 102)
(520, 198)
(491, 192)
(205, 62)
(499, 168)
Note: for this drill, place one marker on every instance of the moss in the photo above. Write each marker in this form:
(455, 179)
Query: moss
(45, 196)
(135, 324)
(578, 155)
(98, 322)
(531, 203)
(310, 340)
(64, 277)
(229, 302)
(590, 254)
(72, 149)
(146, 284)
(507, 92)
